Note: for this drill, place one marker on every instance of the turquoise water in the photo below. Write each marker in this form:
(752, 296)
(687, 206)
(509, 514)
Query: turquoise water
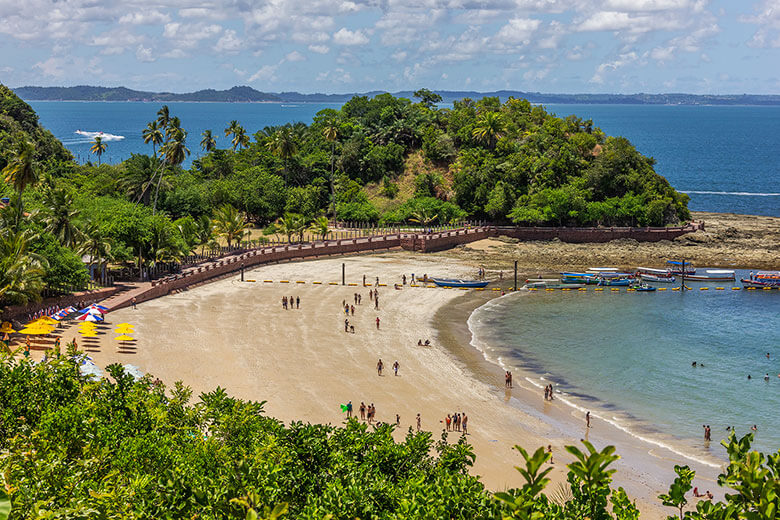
(627, 356)
(724, 157)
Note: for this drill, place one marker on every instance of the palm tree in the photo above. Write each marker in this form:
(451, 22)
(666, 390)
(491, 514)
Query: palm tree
(163, 245)
(152, 134)
(137, 176)
(60, 217)
(21, 171)
(163, 116)
(292, 224)
(282, 144)
(174, 125)
(208, 143)
(204, 232)
(97, 246)
(423, 216)
(320, 227)
(98, 147)
(229, 223)
(174, 152)
(331, 133)
(21, 272)
(231, 129)
(240, 139)
(489, 127)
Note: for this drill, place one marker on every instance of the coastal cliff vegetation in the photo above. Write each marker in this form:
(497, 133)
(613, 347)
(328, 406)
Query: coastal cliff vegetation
(382, 160)
(74, 446)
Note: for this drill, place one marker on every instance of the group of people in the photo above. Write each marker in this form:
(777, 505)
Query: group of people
(293, 302)
(456, 422)
(548, 393)
(373, 295)
(420, 343)
(380, 366)
(508, 379)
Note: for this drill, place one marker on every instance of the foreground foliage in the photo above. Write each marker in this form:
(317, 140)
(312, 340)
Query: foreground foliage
(72, 447)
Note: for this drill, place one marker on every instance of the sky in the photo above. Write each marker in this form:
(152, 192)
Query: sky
(340, 46)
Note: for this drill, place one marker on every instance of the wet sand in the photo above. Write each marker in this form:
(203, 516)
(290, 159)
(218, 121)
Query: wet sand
(301, 362)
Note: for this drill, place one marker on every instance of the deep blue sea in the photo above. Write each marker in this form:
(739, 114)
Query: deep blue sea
(724, 157)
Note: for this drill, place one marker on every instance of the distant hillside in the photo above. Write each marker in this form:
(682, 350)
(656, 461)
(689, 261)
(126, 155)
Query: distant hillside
(19, 120)
(250, 95)
(88, 93)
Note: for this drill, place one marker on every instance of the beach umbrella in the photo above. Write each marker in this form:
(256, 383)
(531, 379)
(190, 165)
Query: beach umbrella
(124, 330)
(35, 330)
(124, 338)
(7, 327)
(45, 320)
(90, 317)
(88, 334)
(125, 325)
(88, 325)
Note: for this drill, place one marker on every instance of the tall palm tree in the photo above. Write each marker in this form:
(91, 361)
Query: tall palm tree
(163, 116)
(174, 125)
(163, 245)
(283, 145)
(21, 171)
(152, 134)
(60, 217)
(231, 129)
(240, 139)
(229, 223)
(137, 177)
(423, 216)
(98, 147)
(490, 126)
(331, 133)
(97, 246)
(174, 152)
(21, 272)
(208, 143)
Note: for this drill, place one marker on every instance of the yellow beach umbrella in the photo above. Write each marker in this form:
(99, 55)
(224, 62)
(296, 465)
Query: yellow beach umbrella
(124, 330)
(88, 325)
(48, 320)
(37, 330)
(7, 327)
(124, 325)
(124, 337)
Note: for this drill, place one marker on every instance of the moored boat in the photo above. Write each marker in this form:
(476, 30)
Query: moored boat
(552, 284)
(680, 267)
(615, 282)
(763, 279)
(656, 279)
(713, 275)
(452, 282)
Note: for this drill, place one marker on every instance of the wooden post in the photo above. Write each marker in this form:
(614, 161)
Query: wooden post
(515, 275)
(343, 273)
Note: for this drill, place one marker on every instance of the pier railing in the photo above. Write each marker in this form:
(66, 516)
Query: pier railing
(412, 241)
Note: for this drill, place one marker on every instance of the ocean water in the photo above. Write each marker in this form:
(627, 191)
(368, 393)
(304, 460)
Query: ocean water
(723, 157)
(627, 357)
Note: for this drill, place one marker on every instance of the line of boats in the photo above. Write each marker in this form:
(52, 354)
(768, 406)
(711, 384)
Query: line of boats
(638, 280)
(642, 277)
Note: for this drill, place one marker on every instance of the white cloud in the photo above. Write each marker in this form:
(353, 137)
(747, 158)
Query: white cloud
(319, 49)
(52, 67)
(399, 55)
(265, 73)
(295, 56)
(621, 61)
(518, 31)
(144, 54)
(151, 17)
(767, 20)
(228, 43)
(346, 37)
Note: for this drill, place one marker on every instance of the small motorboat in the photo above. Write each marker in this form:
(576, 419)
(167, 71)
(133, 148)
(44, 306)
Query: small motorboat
(656, 279)
(763, 279)
(452, 282)
(713, 275)
(615, 282)
(679, 267)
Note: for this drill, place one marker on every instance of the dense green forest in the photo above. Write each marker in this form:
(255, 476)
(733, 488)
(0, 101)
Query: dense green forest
(383, 160)
(75, 447)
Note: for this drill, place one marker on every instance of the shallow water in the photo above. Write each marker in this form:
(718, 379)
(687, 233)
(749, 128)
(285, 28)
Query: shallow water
(627, 357)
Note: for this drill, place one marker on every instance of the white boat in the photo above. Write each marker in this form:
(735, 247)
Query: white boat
(653, 271)
(656, 279)
(603, 269)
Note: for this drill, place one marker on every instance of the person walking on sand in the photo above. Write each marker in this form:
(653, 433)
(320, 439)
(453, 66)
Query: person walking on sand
(379, 367)
(346, 325)
(364, 280)
(549, 450)
(371, 295)
(397, 420)
(587, 419)
(465, 423)
(297, 302)
(133, 302)
(349, 410)
(448, 421)
(395, 367)
(419, 425)
(377, 323)
(376, 302)
(403, 278)
(362, 411)
(352, 309)
(377, 281)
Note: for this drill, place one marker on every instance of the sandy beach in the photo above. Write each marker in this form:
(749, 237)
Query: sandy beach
(301, 362)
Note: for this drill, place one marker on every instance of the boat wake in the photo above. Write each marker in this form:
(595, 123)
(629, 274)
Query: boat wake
(740, 193)
(103, 135)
